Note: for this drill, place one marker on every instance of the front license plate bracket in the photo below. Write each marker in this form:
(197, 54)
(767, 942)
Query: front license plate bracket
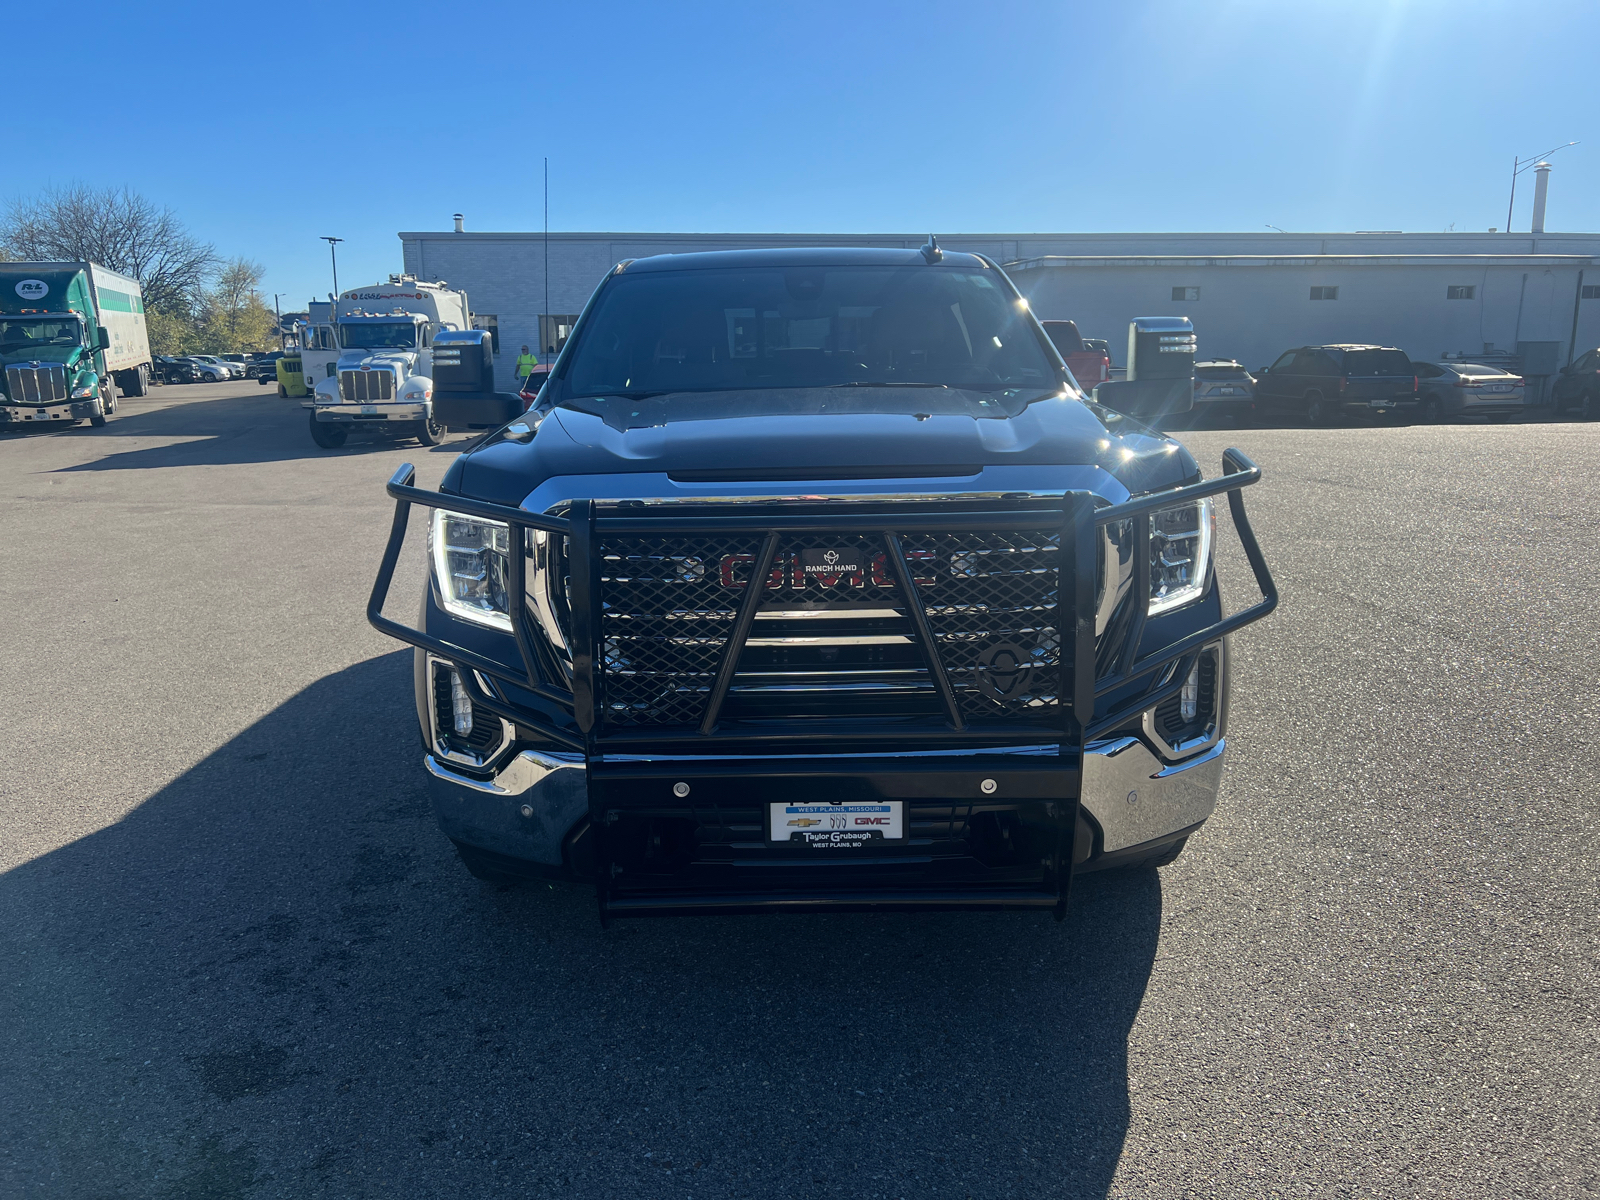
(852, 825)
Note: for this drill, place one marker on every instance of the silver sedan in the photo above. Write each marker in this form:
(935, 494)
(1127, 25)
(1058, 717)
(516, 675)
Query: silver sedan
(1450, 390)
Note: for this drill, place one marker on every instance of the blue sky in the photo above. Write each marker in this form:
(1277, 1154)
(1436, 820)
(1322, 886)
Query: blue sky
(265, 127)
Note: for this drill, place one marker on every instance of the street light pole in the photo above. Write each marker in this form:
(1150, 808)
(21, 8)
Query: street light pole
(279, 312)
(334, 254)
(1517, 169)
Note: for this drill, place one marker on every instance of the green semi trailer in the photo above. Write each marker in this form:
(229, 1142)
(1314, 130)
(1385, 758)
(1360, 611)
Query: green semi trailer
(71, 335)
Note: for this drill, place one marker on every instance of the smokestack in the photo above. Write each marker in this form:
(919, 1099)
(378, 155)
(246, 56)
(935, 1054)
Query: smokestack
(1541, 188)
(462, 228)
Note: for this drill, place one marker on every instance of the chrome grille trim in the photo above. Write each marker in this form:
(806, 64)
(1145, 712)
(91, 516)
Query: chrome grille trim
(366, 386)
(44, 384)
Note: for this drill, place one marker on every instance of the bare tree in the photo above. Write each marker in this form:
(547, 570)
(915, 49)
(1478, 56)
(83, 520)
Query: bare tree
(117, 228)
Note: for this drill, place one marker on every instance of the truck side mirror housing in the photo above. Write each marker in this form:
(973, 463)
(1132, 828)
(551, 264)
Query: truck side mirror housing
(1160, 378)
(1147, 399)
(102, 338)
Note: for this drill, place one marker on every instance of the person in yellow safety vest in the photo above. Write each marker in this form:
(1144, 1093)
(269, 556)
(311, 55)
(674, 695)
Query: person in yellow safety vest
(526, 363)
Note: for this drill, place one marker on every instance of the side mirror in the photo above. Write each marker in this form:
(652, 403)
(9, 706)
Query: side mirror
(1147, 398)
(1260, 371)
(102, 339)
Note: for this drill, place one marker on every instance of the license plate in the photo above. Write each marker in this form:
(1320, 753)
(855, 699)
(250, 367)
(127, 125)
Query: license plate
(837, 826)
(1228, 392)
(1500, 387)
(369, 410)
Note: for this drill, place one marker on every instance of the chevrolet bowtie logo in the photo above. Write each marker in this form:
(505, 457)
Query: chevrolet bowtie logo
(805, 822)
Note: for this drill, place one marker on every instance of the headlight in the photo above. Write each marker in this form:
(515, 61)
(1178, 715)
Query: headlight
(85, 391)
(472, 567)
(1180, 554)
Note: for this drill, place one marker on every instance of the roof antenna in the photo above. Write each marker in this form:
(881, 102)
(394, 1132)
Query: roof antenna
(931, 251)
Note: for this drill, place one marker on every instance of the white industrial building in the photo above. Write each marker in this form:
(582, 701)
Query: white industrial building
(1250, 296)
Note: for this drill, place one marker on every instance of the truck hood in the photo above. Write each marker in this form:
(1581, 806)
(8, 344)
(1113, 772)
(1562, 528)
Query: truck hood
(402, 362)
(787, 432)
(42, 354)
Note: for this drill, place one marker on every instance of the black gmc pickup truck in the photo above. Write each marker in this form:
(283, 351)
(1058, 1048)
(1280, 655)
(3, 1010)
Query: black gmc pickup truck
(812, 581)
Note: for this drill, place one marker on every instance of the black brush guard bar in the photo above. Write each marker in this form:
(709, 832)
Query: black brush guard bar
(1077, 520)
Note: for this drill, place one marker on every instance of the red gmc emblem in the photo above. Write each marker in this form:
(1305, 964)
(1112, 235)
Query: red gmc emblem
(787, 572)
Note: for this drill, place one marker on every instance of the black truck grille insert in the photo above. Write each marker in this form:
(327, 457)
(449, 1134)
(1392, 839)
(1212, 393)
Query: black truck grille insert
(832, 637)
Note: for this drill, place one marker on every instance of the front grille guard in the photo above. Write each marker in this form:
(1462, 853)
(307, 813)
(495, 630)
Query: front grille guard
(1076, 520)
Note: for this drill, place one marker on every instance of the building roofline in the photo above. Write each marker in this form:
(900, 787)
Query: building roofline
(847, 238)
(1302, 260)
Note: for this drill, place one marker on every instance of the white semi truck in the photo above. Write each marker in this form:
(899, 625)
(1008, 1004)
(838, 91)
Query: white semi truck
(71, 335)
(384, 379)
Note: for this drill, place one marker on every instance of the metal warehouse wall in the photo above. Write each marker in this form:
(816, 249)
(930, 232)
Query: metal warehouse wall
(1254, 288)
(1253, 311)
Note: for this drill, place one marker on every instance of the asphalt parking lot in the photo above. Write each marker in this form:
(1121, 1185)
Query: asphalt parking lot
(240, 961)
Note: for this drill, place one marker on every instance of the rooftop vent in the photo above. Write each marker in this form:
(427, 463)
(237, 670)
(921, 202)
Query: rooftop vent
(461, 226)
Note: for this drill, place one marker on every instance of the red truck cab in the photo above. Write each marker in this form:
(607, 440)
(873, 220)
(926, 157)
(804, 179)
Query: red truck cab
(1089, 365)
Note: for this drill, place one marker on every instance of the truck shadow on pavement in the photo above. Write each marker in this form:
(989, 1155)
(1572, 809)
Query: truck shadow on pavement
(273, 979)
(226, 431)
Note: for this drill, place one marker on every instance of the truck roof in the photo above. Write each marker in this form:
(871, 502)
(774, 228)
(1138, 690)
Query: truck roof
(809, 256)
(35, 268)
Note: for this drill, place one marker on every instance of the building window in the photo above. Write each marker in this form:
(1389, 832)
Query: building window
(492, 323)
(1591, 291)
(553, 331)
(1186, 293)
(1324, 293)
(1460, 291)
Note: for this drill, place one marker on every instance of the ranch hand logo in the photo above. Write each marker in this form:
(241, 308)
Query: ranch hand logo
(836, 566)
(1003, 671)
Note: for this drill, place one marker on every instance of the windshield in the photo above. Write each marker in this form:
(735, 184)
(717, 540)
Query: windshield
(1474, 369)
(52, 338)
(367, 335)
(806, 327)
(1376, 362)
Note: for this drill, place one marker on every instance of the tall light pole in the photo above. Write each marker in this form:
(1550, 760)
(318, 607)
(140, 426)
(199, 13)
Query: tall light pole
(334, 254)
(1517, 169)
(546, 252)
(279, 312)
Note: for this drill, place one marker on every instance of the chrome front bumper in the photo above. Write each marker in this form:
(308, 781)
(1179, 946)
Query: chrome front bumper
(76, 410)
(533, 802)
(334, 414)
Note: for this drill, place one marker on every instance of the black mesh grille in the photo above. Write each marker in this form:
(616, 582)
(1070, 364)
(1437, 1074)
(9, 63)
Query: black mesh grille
(664, 618)
(992, 607)
(829, 644)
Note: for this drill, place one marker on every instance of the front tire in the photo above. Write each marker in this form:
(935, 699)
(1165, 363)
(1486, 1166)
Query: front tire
(430, 432)
(283, 392)
(329, 437)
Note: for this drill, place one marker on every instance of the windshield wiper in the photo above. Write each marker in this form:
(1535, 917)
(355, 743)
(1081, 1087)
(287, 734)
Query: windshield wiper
(888, 383)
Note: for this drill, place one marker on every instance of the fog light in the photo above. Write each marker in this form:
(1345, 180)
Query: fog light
(461, 705)
(1189, 698)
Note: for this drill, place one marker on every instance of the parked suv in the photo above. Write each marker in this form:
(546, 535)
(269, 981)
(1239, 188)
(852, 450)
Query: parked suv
(1577, 388)
(1448, 390)
(1222, 387)
(812, 582)
(1318, 383)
